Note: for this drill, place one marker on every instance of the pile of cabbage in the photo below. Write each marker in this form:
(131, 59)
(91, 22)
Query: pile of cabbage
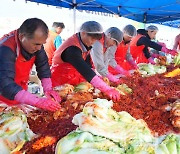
(149, 69)
(14, 130)
(104, 131)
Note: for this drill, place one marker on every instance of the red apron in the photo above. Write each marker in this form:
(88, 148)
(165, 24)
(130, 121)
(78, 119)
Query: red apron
(120, 57)
(63, 72)
(137, 51)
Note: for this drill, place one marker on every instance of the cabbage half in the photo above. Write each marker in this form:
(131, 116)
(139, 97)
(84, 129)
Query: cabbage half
(102, 130)
(149, 69)
(85, 142)
(99, 119)
(14, 131)
(170, 145)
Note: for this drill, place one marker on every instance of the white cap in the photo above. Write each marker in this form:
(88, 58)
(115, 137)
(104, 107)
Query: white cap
(152, 28)
(130, 30)
(91, 27)
(115, 34)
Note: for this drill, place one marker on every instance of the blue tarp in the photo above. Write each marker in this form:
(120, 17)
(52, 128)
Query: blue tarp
(146, 11)
(175, 23)
(140, 10)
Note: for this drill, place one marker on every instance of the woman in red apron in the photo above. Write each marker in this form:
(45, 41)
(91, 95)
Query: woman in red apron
(72, 63)
(122, 55)
(139, 46)
(103, 53)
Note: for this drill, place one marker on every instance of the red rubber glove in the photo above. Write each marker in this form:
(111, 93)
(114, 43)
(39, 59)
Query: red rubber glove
(168, 51)
(151, 60)
(120, 70)
(26, 97)
(49, 93)
(103, 87)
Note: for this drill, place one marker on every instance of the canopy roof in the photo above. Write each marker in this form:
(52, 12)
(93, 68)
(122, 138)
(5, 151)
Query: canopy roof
(175, 23)
(146, 11)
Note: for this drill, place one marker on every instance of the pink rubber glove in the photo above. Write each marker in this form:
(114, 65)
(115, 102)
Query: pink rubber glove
(49, 93)
(162, 44)
(103, 87)
(133, 64)
(154, 55)
(120, 70)
(26, 97)
(151, 60)
(112, 78)
(168, 51)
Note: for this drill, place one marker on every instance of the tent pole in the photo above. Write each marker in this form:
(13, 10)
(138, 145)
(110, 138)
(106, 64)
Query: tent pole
(74, 15)
(144, 25)
(145, 19)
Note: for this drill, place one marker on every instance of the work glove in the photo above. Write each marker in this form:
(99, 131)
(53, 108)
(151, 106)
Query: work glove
(120, 70)
(103, 87)
(49, 93)
(112, 78)
(168, 51)
(133, 64)
(151, 60)
(25, 97)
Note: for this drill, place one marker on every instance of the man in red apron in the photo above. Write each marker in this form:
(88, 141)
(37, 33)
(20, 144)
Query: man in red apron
(103, 52)
(72, 63)
(19, 50)
(139, 46)
(123, 56)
